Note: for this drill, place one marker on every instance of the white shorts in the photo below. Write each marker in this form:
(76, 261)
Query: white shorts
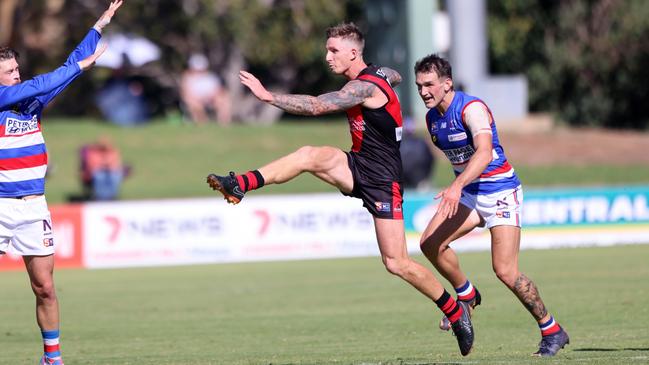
(26, 227)
(503, 208)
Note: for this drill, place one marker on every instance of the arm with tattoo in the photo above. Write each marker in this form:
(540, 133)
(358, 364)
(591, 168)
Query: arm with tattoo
(393, 76)
(353, 93)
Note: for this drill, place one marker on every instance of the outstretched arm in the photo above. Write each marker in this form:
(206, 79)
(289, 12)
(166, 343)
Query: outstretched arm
(105, 18)
(89, 43)
(46, 84)
(355, 92)
(89, 61)
(394, 78)
(85, 49)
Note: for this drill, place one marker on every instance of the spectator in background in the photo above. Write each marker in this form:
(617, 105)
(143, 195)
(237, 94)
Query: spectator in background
(121, 100)
(202, 92)
(418, 160)
(102, 169)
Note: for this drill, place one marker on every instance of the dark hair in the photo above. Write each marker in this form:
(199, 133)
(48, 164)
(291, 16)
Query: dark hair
(7, 53)
(347, 31)
(436, 64)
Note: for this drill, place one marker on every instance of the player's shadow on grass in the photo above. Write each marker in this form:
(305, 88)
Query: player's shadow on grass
(596, 349)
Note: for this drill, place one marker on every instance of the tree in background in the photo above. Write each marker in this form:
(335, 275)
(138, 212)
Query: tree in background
(281, 40)
(585, 59)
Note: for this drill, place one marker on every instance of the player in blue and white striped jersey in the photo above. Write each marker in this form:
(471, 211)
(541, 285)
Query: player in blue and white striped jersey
(485, 192)
(25, 223)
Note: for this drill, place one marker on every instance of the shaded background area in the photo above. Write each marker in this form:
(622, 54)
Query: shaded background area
(583, 59)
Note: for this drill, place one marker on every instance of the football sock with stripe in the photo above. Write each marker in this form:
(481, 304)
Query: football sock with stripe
(449, 306)
(466, 292)
(549, 327)
(51, 345)
(251, 180)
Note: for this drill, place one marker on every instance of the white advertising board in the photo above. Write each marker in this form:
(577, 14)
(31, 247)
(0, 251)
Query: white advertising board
(172, 232)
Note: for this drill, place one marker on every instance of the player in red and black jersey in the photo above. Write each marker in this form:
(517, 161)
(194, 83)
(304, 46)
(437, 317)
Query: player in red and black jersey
(371, 171)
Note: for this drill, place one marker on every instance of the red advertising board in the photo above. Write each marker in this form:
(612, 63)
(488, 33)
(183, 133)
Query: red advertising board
(66, 221)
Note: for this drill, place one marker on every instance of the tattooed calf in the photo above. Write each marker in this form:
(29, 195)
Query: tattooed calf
(528, 294)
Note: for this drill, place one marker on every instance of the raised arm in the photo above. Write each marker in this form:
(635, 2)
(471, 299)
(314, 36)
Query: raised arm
(105, 18)
(394, 78)
(89, 43)
(355, 92)
(87, 49)
(46, 83)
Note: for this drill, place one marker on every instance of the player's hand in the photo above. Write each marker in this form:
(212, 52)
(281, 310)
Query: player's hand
(255, 86)
(105, 18)
(89, 61)
(450, 196)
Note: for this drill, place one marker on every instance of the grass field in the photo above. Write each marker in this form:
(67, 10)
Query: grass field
(331, 312)
(171, 160)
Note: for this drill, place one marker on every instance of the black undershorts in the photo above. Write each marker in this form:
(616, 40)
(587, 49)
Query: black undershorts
(381, 197)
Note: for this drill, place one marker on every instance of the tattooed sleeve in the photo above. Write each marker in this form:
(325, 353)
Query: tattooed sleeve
(353, 93)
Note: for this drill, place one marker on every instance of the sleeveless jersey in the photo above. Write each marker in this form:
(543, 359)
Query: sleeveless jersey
(376, 133)
(450, 134)
(23, 156)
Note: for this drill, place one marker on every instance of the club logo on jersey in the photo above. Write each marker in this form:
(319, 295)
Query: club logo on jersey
(382, 206)
(457, 137)
(357, 125)
(433, 128)
(17, 127)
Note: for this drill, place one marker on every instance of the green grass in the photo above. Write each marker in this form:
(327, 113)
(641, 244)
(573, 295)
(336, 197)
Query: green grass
(332, 312)
(171, 160)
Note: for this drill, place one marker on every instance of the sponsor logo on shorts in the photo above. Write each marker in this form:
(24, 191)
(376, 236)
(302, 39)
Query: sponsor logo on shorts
(382, 206)
(48, 242)
(398, 131)
(501, 214)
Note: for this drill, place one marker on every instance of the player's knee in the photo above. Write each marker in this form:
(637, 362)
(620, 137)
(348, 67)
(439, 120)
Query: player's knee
(45, 290)
(315, 159)
(506, 274)
(307, 154)
(396, 266)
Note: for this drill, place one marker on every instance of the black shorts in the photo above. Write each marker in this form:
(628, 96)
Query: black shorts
(382, 198)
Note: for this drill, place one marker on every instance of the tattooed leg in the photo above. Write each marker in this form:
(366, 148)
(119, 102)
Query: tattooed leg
(528, 294)
(505, 243)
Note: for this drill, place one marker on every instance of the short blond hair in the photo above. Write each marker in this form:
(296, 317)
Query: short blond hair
(347, 31)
